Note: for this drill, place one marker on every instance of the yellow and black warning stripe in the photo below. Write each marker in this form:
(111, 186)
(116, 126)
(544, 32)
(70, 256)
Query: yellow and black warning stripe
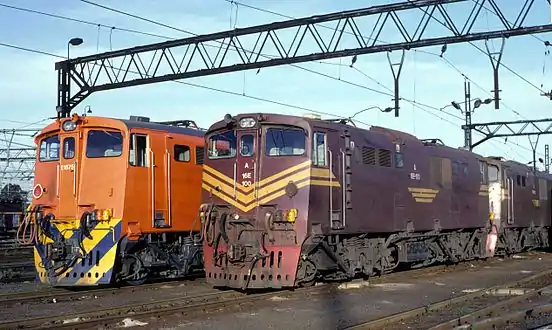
(100, 248)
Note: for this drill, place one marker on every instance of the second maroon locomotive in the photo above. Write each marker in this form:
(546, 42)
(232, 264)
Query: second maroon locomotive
(290, 200)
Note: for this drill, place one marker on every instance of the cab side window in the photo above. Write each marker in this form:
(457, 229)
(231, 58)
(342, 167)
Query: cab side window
(138, 148)
(319, 149)
(483, 177)
(200, 154)
(181, 153)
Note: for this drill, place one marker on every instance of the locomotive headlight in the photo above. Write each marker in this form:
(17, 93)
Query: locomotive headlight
(247, 122)
(292, 215)
(69, 126)
(104, 214)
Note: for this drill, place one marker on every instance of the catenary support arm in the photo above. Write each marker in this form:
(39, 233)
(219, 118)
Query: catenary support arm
(510, 128)
(293, 41)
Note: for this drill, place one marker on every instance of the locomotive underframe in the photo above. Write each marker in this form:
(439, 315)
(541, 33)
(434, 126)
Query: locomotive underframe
(89, 252)
(345, 257)
(159, 256)
(513, 240)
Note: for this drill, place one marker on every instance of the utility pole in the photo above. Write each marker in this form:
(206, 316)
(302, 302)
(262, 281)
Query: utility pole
(534, 149)
(547, 158)
(468, 112)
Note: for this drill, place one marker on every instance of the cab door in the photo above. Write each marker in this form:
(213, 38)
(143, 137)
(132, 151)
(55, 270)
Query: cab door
(138, 181)
(158, 178)
(510, 194)
(496, 193)
(333, 170)
(68, 175)
(177, 159)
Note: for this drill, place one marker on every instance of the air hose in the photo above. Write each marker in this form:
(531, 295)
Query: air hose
(22, 229)
(208, 228)
(83, 232)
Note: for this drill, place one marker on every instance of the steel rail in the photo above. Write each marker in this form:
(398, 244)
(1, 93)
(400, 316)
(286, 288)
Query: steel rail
(472, 319)
(28, 296)
(110, 316)
(501, 321)
(420, 311)
(88, 317)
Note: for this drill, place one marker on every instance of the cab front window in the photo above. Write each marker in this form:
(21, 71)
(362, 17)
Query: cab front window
(222, 145)
(285, 141)
(49, 149)
(102, 143)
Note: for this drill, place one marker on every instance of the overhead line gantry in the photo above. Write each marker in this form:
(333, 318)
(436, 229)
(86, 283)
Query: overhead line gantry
(98, 72)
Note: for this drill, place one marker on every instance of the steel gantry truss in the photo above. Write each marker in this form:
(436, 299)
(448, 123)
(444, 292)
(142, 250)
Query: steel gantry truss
(17, 157)
(510, 128)
(536, 127)
(247, 48)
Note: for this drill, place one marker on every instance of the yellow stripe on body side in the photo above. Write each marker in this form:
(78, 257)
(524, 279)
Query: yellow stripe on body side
(281, 192)
(423, 195)
(230, 181)
(267, 189)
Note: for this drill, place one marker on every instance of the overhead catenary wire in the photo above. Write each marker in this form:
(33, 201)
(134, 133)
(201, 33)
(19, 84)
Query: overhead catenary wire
(385, 42)
(257, 98)
(189, 32)
(419, 105)
(194, 34)
(183, 31)
(293, 65)
(35, 51)
(421, 51)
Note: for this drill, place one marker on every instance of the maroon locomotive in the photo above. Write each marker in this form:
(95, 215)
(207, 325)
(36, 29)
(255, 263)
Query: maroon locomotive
(291, 200)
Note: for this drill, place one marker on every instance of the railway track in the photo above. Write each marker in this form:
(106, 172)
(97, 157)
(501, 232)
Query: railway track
(49, 294)
(492, 308)
(17, 271)
(185, 306)
(60, 294)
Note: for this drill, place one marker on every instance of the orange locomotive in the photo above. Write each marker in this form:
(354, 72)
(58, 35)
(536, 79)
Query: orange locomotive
(116, 201)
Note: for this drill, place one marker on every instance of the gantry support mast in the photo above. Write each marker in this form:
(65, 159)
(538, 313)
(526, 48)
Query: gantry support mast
(198, 57)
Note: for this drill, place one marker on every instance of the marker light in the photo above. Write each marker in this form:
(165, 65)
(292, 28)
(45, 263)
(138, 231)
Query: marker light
(247, 122)
(69, 125)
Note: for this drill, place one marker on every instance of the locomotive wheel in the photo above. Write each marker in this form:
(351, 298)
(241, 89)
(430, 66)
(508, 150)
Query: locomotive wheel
(133, 272)
(306, 273)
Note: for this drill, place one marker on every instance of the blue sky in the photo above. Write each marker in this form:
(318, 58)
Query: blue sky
(28, 81)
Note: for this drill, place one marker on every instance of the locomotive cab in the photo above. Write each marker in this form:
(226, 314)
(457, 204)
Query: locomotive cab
(106, 191)
(77, 200)
(257, 179)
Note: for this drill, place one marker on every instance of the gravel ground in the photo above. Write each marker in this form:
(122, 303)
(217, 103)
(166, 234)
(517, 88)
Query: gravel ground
(361, 301)
(94, 301)
(21, 287)
(455, 311)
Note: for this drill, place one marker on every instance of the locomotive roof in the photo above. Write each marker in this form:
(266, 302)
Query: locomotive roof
(162, 127)
(133, 123)
(336, 122)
